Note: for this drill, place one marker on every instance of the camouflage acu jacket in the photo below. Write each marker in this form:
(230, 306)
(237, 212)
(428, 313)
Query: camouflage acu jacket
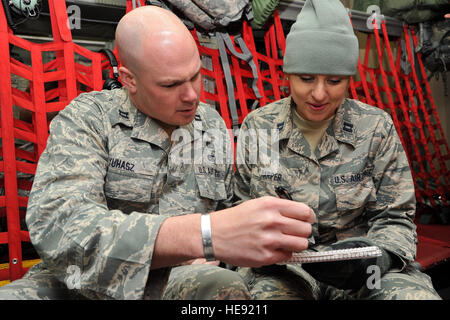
(357, 181)
(107, 180)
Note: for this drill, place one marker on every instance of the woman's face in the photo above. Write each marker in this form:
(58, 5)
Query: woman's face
(318, 96)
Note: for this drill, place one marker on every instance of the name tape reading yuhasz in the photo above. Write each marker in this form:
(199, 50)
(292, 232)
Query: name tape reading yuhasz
(333, 255)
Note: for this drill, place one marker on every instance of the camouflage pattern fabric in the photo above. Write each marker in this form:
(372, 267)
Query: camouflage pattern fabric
(410, 284)
(410, 11)
(294, 283)
(38, 284)
(357, 180)
(107, 180)
(210, 14)
(203, 281)
(280, 283)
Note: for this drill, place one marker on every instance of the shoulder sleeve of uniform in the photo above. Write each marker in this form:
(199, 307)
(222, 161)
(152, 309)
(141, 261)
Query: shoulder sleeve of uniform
(210, 118)
(392, 227)
(269, 115)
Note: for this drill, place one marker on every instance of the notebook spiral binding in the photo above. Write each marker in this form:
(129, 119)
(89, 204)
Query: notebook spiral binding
(333, 255)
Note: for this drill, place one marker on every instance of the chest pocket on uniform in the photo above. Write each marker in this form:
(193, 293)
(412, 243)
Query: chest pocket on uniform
(352, 199)
(264, 182)
(354, 196)
(128, 191)
(211, 188)
(211, 191)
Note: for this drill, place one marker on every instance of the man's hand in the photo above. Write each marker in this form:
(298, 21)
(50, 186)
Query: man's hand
(261, 231)
(255, 233)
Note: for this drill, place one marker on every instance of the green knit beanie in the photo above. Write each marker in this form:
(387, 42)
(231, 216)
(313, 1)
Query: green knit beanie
(322, 41)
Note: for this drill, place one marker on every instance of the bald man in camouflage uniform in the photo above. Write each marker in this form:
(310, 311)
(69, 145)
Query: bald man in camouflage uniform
(127, 176)
(107, 172)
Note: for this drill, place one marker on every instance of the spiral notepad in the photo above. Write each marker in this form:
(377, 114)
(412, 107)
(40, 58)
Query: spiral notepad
(333, 255)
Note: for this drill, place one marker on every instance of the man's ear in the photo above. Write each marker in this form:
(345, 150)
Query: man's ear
(128, 79)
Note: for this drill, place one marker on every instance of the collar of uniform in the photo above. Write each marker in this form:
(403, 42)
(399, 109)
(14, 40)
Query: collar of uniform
(297, 141)
(284, 121)
(342, 130)
(143, 127)
(126, 111)
(198, 124)
(147, 129)
(344, 125)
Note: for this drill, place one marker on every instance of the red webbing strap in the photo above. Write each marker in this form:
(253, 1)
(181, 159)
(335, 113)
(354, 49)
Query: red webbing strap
(355, 85)
(61, 34)
(415, 155)
(385, 88)
(10, 200)
(417, 158)
(274, 61)
(91, 76)
(247, 35)
(38, 98)
(58, 15)
(281, 81)
(363, 70)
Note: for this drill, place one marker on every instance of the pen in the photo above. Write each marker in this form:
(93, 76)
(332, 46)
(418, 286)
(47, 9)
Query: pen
(284, 194)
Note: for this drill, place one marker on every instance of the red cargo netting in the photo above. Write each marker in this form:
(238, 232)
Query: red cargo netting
(399, 86)
(31, 92)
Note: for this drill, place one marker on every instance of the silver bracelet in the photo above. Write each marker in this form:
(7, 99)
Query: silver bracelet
(206, 237)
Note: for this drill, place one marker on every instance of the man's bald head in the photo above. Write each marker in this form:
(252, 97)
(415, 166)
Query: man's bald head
(149, 30)
(161, 66)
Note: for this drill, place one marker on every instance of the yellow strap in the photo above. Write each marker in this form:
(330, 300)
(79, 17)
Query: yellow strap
(25, 264)
(2, 283)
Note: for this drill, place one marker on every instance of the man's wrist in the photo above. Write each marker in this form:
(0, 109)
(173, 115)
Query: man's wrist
(205, 224)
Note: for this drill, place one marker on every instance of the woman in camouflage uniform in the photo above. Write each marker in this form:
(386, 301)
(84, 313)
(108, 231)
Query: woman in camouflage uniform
(343, 159)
